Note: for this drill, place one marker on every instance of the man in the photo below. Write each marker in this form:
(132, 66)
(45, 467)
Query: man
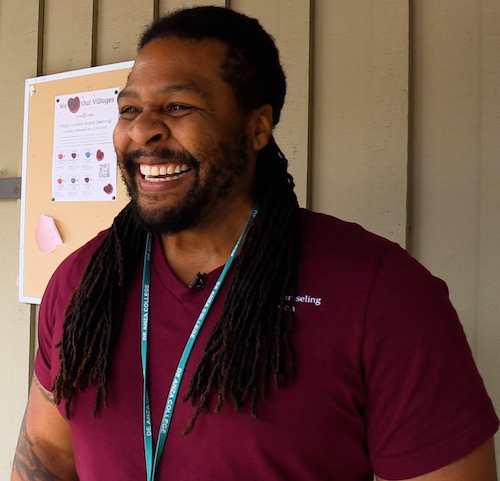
(302, 347)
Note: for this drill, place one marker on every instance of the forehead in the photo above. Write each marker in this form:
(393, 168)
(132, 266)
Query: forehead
(172, 61)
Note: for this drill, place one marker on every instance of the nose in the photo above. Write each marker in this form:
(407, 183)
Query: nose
(148, 128)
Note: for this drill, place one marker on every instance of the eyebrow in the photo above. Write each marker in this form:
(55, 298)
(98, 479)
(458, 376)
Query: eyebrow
(188, 87)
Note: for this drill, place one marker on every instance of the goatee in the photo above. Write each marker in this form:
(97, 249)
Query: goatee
(171, 220)
(221, 165)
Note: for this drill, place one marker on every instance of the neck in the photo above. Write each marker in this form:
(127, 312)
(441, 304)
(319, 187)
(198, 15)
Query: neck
(207, 246)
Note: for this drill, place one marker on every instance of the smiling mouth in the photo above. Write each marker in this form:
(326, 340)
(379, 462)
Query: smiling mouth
(163, 172)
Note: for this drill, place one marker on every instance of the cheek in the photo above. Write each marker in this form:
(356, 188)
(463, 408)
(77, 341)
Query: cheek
(120, 138)
(191, 141)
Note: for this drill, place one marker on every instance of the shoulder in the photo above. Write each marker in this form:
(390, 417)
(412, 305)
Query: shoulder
(347, 244)
(346, 247)
(379, 283)
(366, 262)
(69, 273)
(325, 230)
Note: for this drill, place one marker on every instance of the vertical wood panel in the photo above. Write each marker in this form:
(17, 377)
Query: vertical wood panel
(18, 57)
(288, 21)
(445, 170)
(488, 353)
(120, 24)
(67, 35)
(360, 138)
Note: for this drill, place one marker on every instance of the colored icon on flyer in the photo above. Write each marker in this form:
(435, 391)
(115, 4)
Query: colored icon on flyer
(99, 155)
(74, 104)
(108, 189)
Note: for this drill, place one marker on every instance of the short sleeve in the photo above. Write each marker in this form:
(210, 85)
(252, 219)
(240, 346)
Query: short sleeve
(46, 354)
(426, 402)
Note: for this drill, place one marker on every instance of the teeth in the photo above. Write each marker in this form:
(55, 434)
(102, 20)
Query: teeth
(153, 171)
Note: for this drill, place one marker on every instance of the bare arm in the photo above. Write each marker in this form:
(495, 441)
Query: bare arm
(44, 450)
(477, 466)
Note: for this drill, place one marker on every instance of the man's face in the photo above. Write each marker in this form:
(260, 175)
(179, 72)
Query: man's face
(181, 141)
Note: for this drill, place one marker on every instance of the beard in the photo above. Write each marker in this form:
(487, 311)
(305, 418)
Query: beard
(215, 173)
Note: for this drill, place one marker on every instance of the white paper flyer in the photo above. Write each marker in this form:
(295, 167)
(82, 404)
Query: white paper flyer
(84, 166)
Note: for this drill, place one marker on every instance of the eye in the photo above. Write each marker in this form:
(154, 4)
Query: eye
(178, 110)
(129, 112)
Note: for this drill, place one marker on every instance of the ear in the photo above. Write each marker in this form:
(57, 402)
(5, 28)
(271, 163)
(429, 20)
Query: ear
(261, 126)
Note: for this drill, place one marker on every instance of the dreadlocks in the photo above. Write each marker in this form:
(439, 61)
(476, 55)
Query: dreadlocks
(251, 339)
(94, 313)
(249, 345)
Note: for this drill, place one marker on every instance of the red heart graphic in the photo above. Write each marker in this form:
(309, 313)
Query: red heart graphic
(60, 156)
(100, 155)
(74, 104)
(108, 189)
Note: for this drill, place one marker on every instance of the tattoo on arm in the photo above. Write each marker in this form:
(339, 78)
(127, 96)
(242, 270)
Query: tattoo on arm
(46, 394)
(27, 465)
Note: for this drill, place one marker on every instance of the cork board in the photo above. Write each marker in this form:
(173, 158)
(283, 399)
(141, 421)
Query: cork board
(75, 219)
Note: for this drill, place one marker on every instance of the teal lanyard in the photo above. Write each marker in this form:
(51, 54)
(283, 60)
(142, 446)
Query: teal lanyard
(152, 461)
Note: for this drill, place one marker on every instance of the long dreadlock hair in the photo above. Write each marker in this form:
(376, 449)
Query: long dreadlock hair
(250, 343)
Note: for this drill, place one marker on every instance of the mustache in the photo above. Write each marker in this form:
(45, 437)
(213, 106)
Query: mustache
(165, 155)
